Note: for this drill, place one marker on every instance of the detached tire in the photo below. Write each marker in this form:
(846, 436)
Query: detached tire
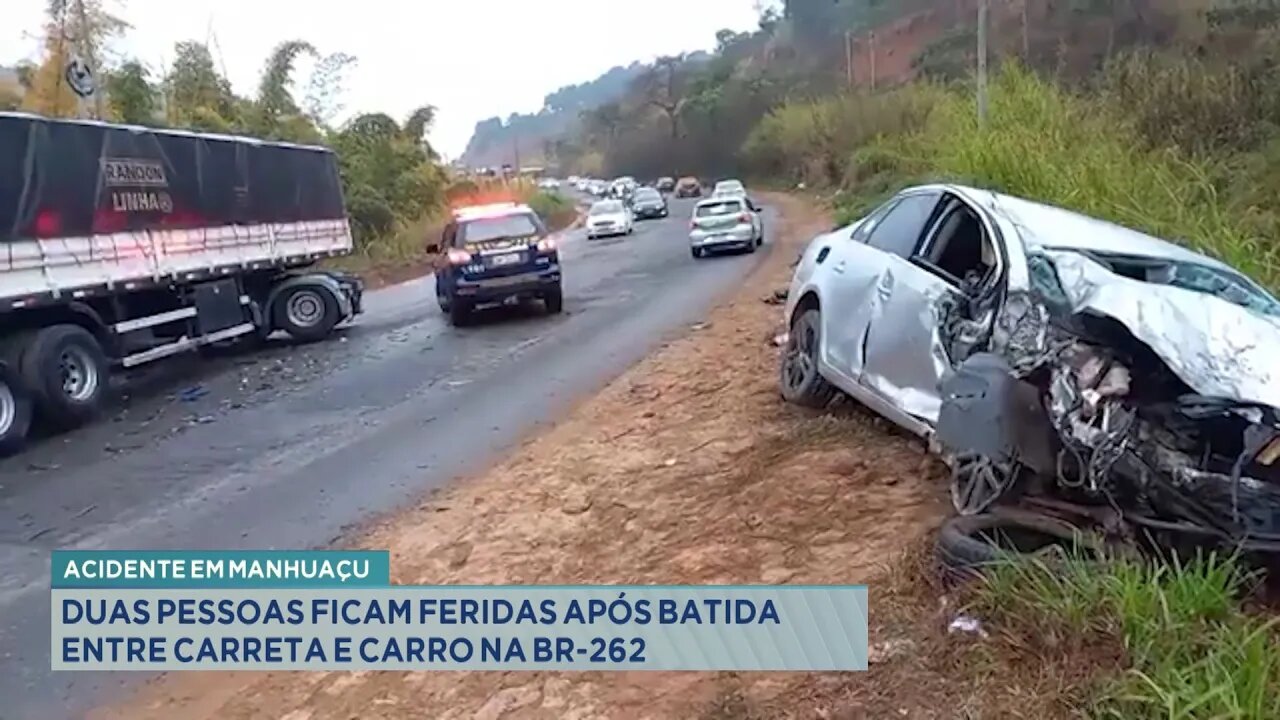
(307, 312)
(15, 411)
(800, 381)
(66, 372)
(967, 545)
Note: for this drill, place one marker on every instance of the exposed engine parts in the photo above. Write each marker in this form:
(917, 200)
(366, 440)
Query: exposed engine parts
(1075, 420)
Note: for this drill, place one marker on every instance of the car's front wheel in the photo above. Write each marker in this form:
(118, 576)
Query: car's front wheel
(800, 380)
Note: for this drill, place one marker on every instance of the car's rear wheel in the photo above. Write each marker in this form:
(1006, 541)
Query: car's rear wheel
(801, 382)
(554, 300)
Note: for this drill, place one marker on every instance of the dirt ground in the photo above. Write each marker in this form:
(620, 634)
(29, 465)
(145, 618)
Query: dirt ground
(687, 469)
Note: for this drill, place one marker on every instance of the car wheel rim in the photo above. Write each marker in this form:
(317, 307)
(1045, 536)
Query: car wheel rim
(977, 482)
(305, 308)
(79, 374)
(799, 363)
(8, 409)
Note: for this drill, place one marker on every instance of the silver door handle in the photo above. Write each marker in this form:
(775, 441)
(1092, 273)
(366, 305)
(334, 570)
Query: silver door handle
(839, 267)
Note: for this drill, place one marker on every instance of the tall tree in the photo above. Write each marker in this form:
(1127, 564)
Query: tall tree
(662, 88)
(418, 125)
(74, 29)
(196, 95)
(130, 95)
(275, 104)
(323, 99)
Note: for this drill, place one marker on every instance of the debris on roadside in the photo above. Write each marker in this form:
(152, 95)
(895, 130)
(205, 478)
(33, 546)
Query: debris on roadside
(887, 650)
(779, 339)
(779, 297)
(968, 625)
(193, 393)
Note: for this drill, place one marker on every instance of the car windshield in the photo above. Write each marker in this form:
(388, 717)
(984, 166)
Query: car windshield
(727, 207)
(606, 208)
(647, 194)
(729, 186)
(1197, 277)
(498, 227)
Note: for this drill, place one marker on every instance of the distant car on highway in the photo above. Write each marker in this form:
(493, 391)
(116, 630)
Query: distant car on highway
(666, 184)
(549, 184)
(649, 203)
(689, 187)
(491, 254)
(609, 217)
(599, 188)
(728, 222)
(729, 188)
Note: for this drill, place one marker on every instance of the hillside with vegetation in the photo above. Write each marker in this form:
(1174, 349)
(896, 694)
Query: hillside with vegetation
(496, 142)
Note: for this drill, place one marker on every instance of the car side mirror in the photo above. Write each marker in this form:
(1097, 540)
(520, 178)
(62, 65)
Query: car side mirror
(433, 248)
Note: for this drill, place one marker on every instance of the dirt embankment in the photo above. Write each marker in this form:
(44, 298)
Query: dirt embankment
(687, 469)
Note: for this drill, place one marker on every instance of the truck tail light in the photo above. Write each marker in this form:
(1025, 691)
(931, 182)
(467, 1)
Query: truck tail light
(459, 257)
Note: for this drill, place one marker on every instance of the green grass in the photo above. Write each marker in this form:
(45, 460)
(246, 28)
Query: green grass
(1045, 143)
(1190, 650)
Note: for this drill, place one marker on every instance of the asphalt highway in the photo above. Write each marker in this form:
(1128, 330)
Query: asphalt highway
(298, 446)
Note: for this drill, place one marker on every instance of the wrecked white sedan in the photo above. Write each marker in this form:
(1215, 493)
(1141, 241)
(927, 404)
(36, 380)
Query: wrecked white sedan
(1049, 353)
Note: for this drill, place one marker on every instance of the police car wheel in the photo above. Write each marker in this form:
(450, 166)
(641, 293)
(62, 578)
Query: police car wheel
(459, 314)
(443, 302)
(554, 300)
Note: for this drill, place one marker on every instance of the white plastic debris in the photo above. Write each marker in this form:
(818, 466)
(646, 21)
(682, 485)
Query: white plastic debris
(967, 624)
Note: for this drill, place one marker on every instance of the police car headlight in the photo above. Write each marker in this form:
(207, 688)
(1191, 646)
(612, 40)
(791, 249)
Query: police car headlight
(546, 245)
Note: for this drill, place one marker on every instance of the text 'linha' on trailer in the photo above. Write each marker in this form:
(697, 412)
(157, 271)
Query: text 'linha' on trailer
(120, 245)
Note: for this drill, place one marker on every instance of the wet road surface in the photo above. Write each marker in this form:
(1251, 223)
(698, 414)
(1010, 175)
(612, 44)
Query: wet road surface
(295, 446)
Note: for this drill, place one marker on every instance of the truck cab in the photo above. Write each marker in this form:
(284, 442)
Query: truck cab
(495, 254)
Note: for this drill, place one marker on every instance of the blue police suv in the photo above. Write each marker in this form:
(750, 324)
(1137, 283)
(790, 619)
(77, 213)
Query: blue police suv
(495, 254)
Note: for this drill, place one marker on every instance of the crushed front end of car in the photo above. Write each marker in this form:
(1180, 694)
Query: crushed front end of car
(1154, 403)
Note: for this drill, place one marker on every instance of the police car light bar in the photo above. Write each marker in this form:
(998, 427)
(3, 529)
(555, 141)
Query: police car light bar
(485, 210)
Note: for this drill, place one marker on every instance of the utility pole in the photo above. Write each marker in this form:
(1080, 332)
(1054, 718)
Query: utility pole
(848, 58)
(1026, 35)
(982, 64)
(871, 41)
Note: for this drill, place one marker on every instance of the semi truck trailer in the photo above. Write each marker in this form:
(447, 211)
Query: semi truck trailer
(122, 245)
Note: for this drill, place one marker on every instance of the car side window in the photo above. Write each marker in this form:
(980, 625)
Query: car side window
(899, 231)
(863, 231)
(959, 248)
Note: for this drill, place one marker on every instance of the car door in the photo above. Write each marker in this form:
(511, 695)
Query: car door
(853, 269)
(918, 296)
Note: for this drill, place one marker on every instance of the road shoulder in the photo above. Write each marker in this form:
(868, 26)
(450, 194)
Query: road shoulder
(686, 469)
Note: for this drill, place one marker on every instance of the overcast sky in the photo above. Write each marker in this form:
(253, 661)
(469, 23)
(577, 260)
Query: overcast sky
(472, 59)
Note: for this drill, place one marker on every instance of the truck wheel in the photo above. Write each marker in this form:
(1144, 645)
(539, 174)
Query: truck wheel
(67, 373)
(15, 411)
(307, 312)
(554, 300)
(459, 314)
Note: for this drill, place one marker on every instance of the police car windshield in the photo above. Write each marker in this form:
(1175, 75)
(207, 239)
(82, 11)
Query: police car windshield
(647, 194)
(498, 227)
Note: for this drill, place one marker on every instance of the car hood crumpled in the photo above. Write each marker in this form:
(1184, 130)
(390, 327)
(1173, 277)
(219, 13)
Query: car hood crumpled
(1216, 347)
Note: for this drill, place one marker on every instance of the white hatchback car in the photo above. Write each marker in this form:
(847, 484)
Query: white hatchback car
(609, 217)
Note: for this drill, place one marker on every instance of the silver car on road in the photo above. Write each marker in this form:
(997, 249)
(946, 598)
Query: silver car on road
(725, 223)
(1028, 341)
